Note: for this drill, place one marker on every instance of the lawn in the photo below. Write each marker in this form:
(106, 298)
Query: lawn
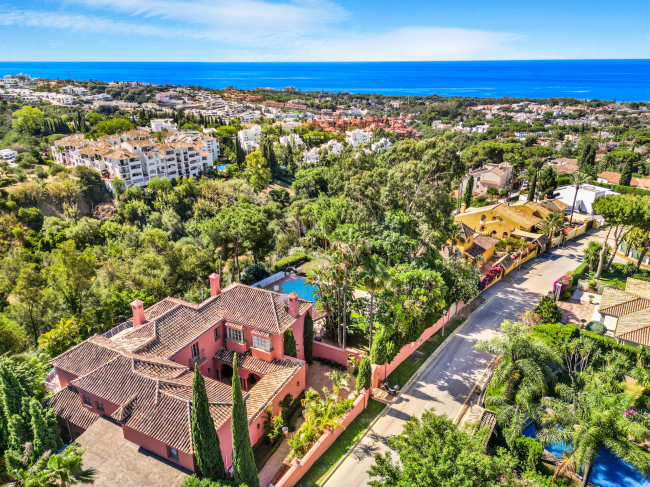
(313, 264)
(343, 443)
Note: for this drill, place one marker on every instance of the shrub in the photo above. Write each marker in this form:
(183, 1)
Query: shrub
(41, 173)
(528, 452)
(554, 333)
(365, 374)
(56, 169)
(32, 217)
(291, 261)
(565, 296)
(641, 403)
(596, 327)
(254, 273)
(551, 312)
(290, 346)
(194, 481)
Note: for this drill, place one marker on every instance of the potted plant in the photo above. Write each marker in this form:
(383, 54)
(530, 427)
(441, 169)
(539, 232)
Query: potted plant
(591, 298)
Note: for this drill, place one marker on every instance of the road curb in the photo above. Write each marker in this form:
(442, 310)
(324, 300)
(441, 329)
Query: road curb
(413, 378)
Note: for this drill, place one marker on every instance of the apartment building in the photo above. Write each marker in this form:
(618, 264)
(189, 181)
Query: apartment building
(135, 156)
(357, 137)
(74, 90)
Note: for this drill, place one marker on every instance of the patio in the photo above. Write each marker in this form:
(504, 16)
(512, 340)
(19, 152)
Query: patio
(574, 311)
(317, 379)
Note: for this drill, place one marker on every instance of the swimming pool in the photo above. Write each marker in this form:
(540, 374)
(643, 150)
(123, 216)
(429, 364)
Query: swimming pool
(608, 470)
(221, 167)
(302, 289)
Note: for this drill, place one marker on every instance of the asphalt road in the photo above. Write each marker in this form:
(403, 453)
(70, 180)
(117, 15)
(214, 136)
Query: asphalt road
(450, 377)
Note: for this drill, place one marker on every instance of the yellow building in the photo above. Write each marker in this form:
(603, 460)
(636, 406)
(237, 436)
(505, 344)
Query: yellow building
(474, 244)
(498, 220)
(541, 209)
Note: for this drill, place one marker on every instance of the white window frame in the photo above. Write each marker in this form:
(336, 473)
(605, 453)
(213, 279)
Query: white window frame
(235, 335)
(262, 343)
(195, 349)
(217, 334)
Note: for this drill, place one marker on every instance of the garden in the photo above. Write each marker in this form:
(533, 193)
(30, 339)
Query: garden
(580, 395)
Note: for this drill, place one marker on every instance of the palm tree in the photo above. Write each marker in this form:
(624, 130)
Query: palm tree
(348, 253)
(339, 381)
(552, 224)
(374, 277)
(66, 468)
(524, 360)
(583, 176)
(589, 420)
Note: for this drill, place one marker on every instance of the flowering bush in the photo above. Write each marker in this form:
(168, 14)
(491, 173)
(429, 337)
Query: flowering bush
(531, 318)
(629, 412)
(564, 280)
(492, 274)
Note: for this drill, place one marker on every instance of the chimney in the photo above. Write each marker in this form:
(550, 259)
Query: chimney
(137, 307)
(293, 305)
(215, 285)
(463, 207)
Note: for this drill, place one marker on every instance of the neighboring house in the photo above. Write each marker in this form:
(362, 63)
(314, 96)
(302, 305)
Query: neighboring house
(357, 137)
(333, 146)
(74, 90)
(251, 134)
(163, 123)
(140, 372)
(626, 314)
(293, 139)
(585, 198)
(495, 176)
(312, 155)
(615, 178)
(8, 153)
(563, 165)
(497, 220)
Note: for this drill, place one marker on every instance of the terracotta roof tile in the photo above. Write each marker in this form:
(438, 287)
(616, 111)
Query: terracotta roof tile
(638, 287)
(67, 404)
(612, 296)
(256, 365)
(84, 358)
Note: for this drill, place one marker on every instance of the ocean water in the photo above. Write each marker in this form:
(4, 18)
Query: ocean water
(618, 80)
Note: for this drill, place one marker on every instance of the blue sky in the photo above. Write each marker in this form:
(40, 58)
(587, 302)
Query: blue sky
(321, 30)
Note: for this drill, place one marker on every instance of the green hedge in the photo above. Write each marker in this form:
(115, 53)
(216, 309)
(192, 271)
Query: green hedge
(293, 260)
(528, 452)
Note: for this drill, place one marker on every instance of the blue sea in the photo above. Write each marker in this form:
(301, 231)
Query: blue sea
(618, 80)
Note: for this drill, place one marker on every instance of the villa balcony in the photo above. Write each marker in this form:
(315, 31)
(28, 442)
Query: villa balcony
(198, 360)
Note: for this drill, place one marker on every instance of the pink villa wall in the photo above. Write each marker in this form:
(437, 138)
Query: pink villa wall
(330, 352)
(299, 467)
(109, 407)
(206, 342)
(159, 448)
(298, 328)
(225, 440)
(65, 377)
(380, 372)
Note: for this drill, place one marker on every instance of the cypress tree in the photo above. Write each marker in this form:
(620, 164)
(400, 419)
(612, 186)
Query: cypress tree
(547, 182)
(467, 197)
(365, 374)
(240, 157)
(308, 338)
(12, 392)
(626, 174)
(207, 448)
(533, 188)
(245, 471)
(290, 346)
(44, 437)
(19, 433)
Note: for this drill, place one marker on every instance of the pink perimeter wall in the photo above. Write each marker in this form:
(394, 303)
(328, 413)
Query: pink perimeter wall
(300, 467)
(385, 370)
(330, 352)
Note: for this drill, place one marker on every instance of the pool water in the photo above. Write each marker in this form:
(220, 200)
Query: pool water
(221, 167)
(302, 289)
(608, 470)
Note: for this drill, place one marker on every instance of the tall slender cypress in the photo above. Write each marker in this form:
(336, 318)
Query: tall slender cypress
(207, 448)
(308, 339)
(533, 188)
(245, 471)
(44, 437)
(290, 345)
(467, 197)
(626, 174)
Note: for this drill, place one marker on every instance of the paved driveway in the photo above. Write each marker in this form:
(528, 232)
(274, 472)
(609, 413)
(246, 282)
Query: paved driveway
(450, 377)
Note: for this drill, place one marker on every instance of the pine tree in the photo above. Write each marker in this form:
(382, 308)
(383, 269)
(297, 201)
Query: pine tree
(245, 471)
(533, 188)
(308, 338)
(467, 197)
(290, 345)
(207, 448)
(365, 374)
(44, 438)
(626, 174)
(547, 182)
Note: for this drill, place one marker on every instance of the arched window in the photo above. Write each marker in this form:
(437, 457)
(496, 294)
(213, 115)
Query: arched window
(482, 218)
(505, 234)
(494, 233)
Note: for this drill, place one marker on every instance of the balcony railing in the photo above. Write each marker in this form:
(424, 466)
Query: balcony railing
(198, 360)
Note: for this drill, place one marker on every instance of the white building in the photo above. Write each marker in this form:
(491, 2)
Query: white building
(585, 198)
(74, 90)
(8, 153)
(312, 155)
(251, 134)
(381, 145)
(159, 124)
(293, 139)
(135, 157)
(334, 146)
(357, 137)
